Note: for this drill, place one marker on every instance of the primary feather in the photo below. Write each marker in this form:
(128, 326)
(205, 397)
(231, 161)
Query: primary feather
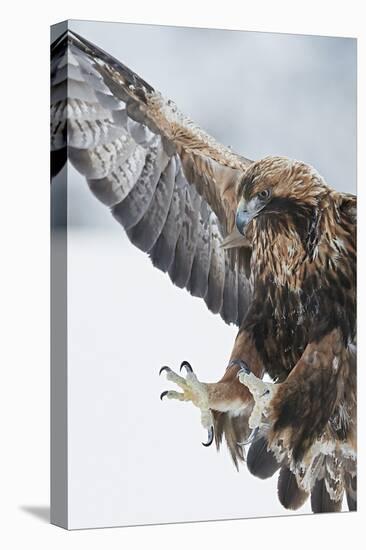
(171, 185)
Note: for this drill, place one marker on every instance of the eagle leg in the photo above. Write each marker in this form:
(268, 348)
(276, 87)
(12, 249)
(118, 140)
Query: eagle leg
(194, 391)
(262, 393)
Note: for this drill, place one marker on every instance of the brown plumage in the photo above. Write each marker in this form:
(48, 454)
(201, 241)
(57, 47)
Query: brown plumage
(268, 245)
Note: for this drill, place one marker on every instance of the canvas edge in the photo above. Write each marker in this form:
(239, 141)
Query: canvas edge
(58, 390)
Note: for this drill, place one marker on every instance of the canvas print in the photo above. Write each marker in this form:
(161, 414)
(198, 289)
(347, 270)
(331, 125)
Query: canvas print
(203, 274)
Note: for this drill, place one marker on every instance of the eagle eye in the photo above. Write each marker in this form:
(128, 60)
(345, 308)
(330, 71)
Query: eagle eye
(265, 194)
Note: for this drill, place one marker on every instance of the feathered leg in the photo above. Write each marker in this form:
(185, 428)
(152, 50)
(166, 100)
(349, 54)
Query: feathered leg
(226, 405)
(308, 424)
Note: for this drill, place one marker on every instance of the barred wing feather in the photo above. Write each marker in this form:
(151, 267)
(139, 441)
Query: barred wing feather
(167, 182)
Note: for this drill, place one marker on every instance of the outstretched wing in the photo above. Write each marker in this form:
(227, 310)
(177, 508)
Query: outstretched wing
(170, 184)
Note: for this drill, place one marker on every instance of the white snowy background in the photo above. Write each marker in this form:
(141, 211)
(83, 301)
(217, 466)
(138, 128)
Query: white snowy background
(132, 458)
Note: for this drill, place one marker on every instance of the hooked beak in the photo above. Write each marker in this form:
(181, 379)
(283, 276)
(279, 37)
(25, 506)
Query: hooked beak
(246, 212)
(243, 217)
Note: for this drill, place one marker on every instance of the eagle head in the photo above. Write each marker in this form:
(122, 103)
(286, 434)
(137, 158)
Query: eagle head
(277, 186)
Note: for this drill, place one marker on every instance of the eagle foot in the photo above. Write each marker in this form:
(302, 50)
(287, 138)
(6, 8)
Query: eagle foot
(194, 391)
(262, 393)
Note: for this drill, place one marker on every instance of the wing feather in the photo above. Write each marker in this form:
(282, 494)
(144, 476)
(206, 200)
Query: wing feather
(162, 255)
(147, 231)
(168, 183)
(132, 209)
(230, 299)
(216, 279)
(198, 282)
(180, 269)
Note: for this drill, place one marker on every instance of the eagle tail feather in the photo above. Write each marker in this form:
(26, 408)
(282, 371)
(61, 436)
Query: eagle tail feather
(351, 492)
(321, 502)
(261, 461)
(290, 495)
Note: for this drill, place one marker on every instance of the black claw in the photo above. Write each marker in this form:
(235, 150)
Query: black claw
(252, 436)
(163, 368)
(242, 364)
(210, 437)
(187, 366)
(162, 395)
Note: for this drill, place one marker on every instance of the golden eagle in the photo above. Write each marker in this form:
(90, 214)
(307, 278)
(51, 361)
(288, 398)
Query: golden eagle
(268, 245)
